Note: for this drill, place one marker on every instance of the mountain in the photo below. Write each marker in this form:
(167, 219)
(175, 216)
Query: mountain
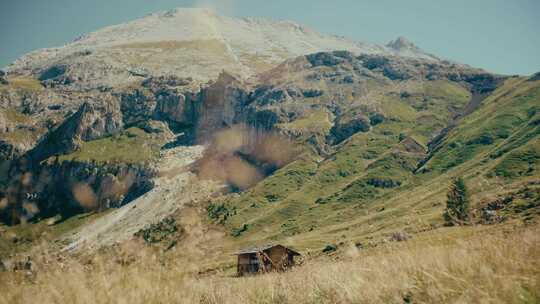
(186, 135)
(195, 43)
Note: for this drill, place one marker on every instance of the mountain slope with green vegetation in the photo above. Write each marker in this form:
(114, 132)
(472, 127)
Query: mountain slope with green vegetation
(398, 176)
(386, 180)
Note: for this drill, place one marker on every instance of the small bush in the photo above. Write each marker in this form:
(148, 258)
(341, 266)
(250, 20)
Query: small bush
(158, 232)
(219, 212)
(483, 139)
(329, 248)
(236, 232)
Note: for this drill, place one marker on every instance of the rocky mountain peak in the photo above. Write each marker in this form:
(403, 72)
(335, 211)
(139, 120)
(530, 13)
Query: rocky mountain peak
(402, 43)
(195, 43)
(404, 47)
(179, 11)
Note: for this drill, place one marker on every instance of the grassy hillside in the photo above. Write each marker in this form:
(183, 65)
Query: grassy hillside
(507, 119)
(132, 146)
(25, 84)
(23, 130)
(454, 265)
(22, 238)
(372, 186)
(380, 142)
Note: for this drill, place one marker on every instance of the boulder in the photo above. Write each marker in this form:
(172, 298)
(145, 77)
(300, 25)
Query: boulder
(402, 44)
(399, 236)
(8, 151)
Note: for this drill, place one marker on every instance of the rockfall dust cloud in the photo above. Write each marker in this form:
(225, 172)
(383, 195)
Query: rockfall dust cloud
(241, 156)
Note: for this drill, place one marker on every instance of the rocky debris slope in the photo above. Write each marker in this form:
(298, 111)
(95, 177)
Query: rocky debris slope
(174, 188)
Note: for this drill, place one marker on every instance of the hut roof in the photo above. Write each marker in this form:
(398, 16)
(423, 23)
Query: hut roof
(263, 248)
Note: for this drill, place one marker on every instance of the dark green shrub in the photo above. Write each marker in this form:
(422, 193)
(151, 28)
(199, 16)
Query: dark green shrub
(329, 248)
(236, 232)
(457, 204)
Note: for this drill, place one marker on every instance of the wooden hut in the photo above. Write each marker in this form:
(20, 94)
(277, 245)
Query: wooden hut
(264, 259)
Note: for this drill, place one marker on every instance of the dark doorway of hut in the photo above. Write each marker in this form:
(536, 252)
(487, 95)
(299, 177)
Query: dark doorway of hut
(265, 259)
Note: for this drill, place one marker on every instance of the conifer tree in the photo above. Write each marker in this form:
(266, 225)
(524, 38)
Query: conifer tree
(457, 203)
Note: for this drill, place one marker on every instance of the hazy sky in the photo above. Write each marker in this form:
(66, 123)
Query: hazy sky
(502, 36)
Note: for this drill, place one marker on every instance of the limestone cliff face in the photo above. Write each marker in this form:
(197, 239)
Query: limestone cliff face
(27, 176)
(137, 105)
(68, 188)
(91, 121)
(169, 99)
(219, 105)
(174, 106)
(198, 111)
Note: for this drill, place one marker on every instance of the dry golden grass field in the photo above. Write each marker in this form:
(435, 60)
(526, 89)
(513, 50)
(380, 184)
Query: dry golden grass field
(482, 264)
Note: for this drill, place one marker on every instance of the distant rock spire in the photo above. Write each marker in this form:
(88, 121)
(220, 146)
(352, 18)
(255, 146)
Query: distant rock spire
(401, 43)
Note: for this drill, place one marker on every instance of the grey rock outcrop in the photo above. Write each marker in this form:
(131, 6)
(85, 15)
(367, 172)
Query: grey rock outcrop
(345, 129)
(156, 83)
(221, 104)
(91, 121)
(166, 98)
(3, 80)
(8, 151)
(401, 43)
(53, 72)
(137, 105)
(72, 187)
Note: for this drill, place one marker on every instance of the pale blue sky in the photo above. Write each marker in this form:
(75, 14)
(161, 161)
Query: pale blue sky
(502, 36)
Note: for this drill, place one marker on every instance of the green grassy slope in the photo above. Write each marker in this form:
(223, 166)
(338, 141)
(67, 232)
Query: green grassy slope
(371, 186)
(132, 146)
